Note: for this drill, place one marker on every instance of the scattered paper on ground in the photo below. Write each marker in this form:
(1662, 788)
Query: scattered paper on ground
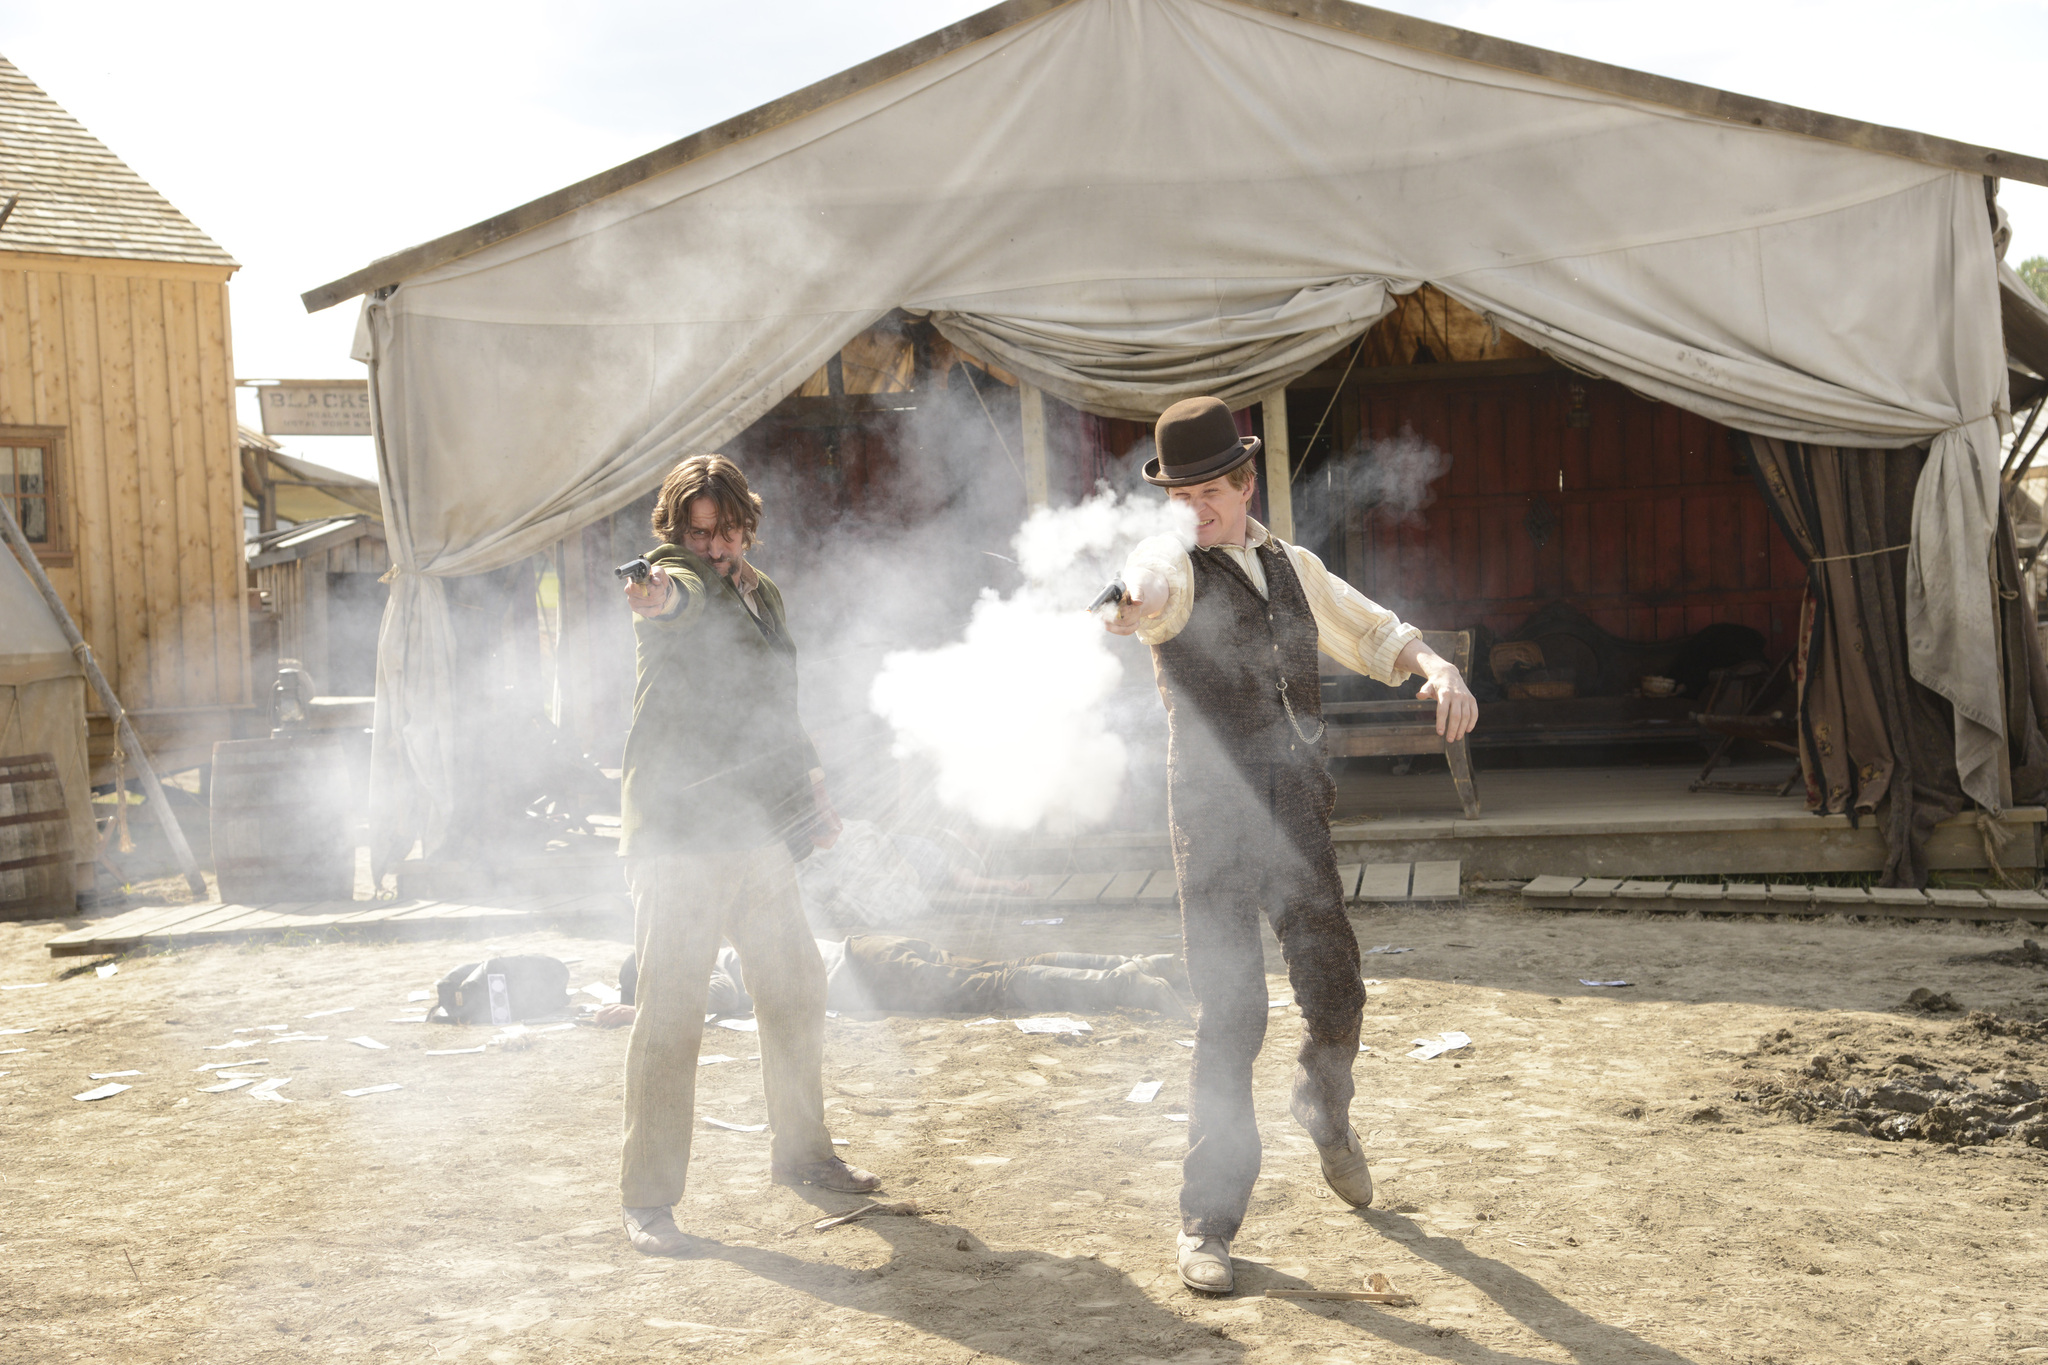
(1584, 982)
(236, 1084)
(736, 1127)
(106, 969)
(1426, 1048)
(109, 1075)
(1061, 920)
(454, 1051)
(365, 1040)
(414, 997)
(713, 1060)
(239, 1061)
(373, 1089)
(339, 1009)
(1387, 948)
(26, 986)
(103, 1092)
(740, 1025)
(1144, 1092)
(1059, 1025)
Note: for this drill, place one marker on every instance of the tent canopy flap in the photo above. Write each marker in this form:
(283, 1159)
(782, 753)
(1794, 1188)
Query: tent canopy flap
(1127, 202)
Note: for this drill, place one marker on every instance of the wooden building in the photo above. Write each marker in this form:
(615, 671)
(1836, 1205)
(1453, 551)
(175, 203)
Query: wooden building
(117, 424)
(322, 595)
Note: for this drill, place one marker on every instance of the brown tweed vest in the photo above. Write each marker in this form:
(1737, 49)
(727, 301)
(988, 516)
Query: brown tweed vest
(1237, 766)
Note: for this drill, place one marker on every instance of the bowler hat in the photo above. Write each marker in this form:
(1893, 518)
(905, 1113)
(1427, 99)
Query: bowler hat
(1197, 441)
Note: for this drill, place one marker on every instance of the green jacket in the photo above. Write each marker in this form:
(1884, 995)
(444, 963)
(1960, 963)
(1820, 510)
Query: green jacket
(717, 758)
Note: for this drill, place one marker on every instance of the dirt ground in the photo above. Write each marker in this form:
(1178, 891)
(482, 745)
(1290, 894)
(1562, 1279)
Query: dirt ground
(1596, 1178)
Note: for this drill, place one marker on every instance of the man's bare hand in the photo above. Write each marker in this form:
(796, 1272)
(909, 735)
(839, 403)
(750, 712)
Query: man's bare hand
(1144, 598)
(1457, 710)
(650, 599)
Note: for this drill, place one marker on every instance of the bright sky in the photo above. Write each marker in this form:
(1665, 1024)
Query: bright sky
(309, 139)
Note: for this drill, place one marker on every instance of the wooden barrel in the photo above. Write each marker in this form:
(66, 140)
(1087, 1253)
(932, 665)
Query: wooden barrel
(35, 840)
(280, 812)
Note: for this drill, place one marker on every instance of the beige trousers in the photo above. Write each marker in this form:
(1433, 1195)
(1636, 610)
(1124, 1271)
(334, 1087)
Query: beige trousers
(683, 904)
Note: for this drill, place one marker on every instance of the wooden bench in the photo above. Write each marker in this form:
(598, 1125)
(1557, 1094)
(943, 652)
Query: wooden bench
(1369, 729)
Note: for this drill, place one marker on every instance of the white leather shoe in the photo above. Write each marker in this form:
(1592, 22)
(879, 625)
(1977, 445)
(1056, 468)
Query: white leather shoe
(1345, 1170)
(1205, 1264)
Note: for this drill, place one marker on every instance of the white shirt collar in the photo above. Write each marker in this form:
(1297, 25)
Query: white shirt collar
(1255, 535)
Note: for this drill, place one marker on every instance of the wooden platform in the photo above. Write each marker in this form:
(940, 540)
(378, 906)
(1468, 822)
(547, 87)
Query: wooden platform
(1781, 898)
(1615, 822)
(188, 925)
(1056, 891)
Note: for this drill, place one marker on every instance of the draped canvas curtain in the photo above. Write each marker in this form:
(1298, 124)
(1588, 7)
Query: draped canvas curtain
(1873, 740)
(1128, 202)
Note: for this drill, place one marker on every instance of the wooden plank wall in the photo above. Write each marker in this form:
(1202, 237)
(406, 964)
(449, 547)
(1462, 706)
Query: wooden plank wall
(133, 360)
(1646, 517)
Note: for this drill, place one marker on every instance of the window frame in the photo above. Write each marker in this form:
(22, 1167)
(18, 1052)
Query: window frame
(56, 550)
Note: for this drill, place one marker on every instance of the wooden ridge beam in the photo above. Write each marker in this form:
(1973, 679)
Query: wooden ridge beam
(1703, 100)
(1382, 25)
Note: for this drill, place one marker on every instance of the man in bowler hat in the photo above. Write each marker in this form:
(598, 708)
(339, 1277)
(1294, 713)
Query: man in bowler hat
(1234, 626)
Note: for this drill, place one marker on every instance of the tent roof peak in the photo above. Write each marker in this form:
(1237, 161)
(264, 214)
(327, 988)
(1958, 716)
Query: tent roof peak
(1383, 25)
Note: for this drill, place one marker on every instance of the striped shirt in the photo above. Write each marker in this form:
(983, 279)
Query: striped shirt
(1351, 628)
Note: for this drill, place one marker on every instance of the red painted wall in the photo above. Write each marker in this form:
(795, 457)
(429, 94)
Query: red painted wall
(1646, 517)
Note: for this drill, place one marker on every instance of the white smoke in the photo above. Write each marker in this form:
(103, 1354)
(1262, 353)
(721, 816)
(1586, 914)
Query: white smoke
(1393, 477)
(1014, 716)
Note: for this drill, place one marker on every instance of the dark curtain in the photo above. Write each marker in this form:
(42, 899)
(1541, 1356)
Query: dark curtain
(1873, 742)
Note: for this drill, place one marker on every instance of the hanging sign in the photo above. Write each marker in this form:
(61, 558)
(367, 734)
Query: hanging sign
(316, 407)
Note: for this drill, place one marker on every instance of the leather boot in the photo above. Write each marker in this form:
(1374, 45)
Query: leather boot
(1204, 1264)
(653, 1232)
(1345, 1171)
(831, 1174)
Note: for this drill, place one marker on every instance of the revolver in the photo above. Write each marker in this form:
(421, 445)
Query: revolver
(636, 570)
(1112, 595)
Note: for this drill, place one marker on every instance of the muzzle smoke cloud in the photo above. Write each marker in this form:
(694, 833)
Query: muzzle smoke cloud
(1390, 480)
(1393, 477)
(1014, 716)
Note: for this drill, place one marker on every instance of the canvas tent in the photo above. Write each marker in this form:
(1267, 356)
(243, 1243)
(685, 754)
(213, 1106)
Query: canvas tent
(42, 701)
(1126, 202)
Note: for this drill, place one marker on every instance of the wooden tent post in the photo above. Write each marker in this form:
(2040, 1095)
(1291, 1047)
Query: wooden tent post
(152, 790)
(1037, 466)
(1279, 465)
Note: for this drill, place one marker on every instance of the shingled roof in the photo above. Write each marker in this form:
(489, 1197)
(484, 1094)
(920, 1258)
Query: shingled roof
(76, 197)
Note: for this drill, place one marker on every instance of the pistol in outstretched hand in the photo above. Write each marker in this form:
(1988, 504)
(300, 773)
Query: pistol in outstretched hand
(635, 571)
(1111, 596)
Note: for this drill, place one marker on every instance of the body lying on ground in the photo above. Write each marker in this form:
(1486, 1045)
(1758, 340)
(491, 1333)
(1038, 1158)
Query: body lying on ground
(891, 972)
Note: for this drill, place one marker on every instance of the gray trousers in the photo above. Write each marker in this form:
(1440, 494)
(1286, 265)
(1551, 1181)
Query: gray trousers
(683, 905)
